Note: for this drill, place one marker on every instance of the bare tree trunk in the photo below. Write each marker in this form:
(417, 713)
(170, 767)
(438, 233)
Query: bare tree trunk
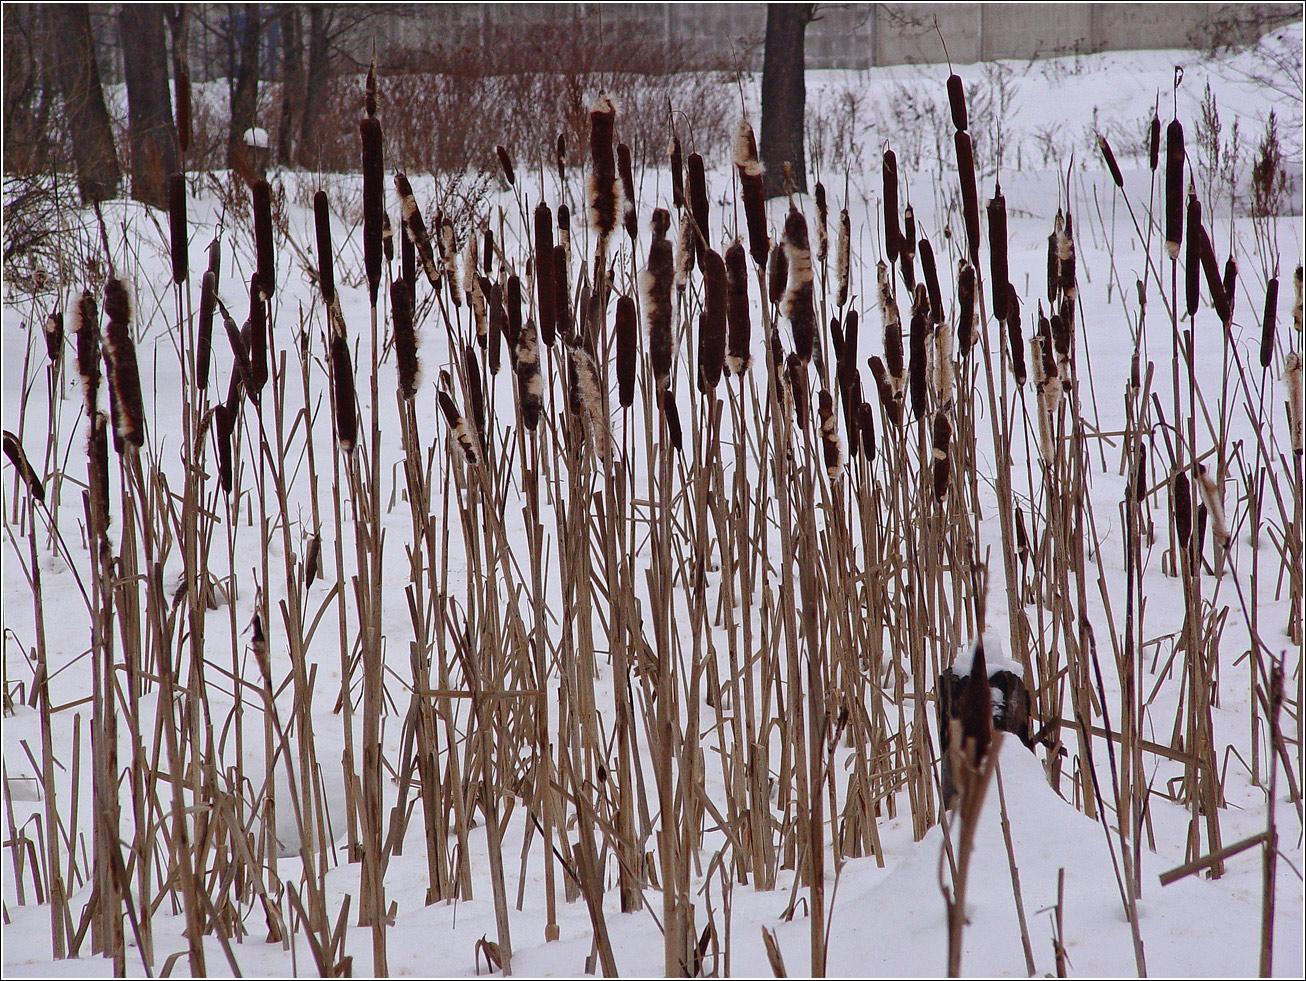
(27, 88)
(319, 27)
(149, 104)
(292, 82)
(784, 95)
(244, 94)
(98, 174)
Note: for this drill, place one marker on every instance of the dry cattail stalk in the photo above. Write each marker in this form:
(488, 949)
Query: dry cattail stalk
(373, 202)
(530, 380)
(739, 326)
(462, 431)
(1174, 188)
(1015, 341)
(866, 428)
(625, 171)
(204, 340)
(1182, 506)
(505, 162)
(326, 275)
(587, 396)
(97, 467)
(1154, 143)
(777, 274)
(1268, 320)
(830, 447)
(53, 330)
(942, 463)
(712, 332)
(917, 369)
(655, 293)
(1193, 256)
(1213, 498)
(562, 293)
(890, 401)
(892, 232)
(798, 304)
(997, 209)
(796, 372)
(843, 257)
(87, 330)
(965, 307)
(405, 335)
(601, 183)
(685, 250)
(822, 224)
(1066, 258)
(627, 329)
(969, 193)
(1110, 159)
(124, 375)
(416, 228)
(672, 416)
(177, 227)
(261, 203)
(342, 389)
(892, 321)
(751, 190)
(677, 172)
(14, 451)
(1292, 379)
(698, 204)
(931, 275)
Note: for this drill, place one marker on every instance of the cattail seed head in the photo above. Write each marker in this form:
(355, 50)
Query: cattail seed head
(685, 250)
(1154, 143)
(866, 429)
(512, 325)
(931, 275)
(965, 306)
(53, 330)
(601, 183)
(326, 276)
(892, 322)
(498, 327)
(462, 431)
(261, 200)
(892, 232)
(890, 400)
(751, 190)
(917, 369)
(177, 227)
(655, 292)
(998, 277)
(124, 375)
(626, 171)
(1296, 303)
(14, 451)
(1193, 257)
(1213, 497)
(1015, 340)
(1174, 188)
(830, 447)
(415, 228)
(1230, 282)
(204, 341)
(957, 102)
(798, 304)
(588, 395)
(698, 203)
(712, 332)
(941, 461)
(822, 223)
(257, 342)
(944, 371)
(546, 299)
(843, 257)
(562, 293)
(373, 202)
(87, 330)
(796, 373)
(530, 381)
(1066, 258)
(969, 193)
(342, 391)
(777, 274)
(677, 172)
(627, 330)
(1214, 284)
(672, 416)
(1110, 159)
(97, 467)
(405, 336)
(1293, 381)
(739, 326)
(1183, 508)
(505, 162)
(474, 389)
(907, 249)
(1268, 320)
(560, 159)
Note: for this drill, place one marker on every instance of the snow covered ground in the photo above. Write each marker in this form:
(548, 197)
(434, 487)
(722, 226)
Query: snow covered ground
(883, 921)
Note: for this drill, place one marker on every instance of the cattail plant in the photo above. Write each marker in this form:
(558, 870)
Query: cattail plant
(261, 201)
(798, 305)
(1015, 340)
(1297, 302)
(957, 102)
(1054, 256)
(405, 337)
(545, 298)
(751, 191)
(505, 162)
(655, 292)
(627, 329)
(739, 327)
(965, 306)
(931, 275)
(1293, 381)
(561, 293)
(1230, 282)
(1193, 257)
(712, 333)
(588, 399)
(1154, 143)
(326, 269)
(602, 189)
(177, 227)
(461, 429)
(1268, 319)
(1110, 159)
(475, 390)
(1066, 258)
(822, 224)
(124, 376)
(257, 342)
(512, 323)
(892, 322)
(53, 332)
(685, 250)
(560, 159)
(204, 338)
(677, 172)
(698, 204)
(998, 276)
(530, 380)
(777, 274)
(969, 193)
(1214, 284)
(1182, 506)
(796, 375)
(890, 399)
(498, 327)
(919, 336)
(907, 249)
(672, 416)
(1213, 498)
(373, 201)
(892, 231)
(866, 429)
(342, 392)
(629, 217)
(1174, 188)
(843, 257)
(941, 461)
(86, 328)
(415, 228)
(831, 450)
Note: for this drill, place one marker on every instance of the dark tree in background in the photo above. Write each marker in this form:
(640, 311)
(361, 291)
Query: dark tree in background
(98, 174)
(292, 82)
(245, 35)
(784, 95)
(150, 129)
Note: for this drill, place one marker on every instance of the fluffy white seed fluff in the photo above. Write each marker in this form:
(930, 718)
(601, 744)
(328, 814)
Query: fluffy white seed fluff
(745, 150)
(1292, 378)
(800, 275)
(1213, 498)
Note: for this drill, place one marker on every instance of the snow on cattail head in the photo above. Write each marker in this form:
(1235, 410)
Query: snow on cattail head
(797, 304)
(745, 150)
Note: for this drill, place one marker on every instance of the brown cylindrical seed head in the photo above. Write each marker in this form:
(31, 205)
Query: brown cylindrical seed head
(655, 289)
(892, 231)
(777, 274)
(677, 173)
(505, 162)
(798, 303)
(204, 340)
(627, 329)
(866, 428)
(1154, 144)
(1110, 159)
(712, 331)
(942, 464)
(752, 191)
(261, 196)
(998, 276)
(498, 321)
(475, 391)
(326, 274)
(1214, 285)
(957, 102)
(796, 370)
(1230, 282)
(843, 257)
(373, 203)
(1268, 320)
(177, 227)
(88, 349)
(917, 368)
(14, 451)
(546, 298)
(965, 307)
(97, 467)
(561, 293)
(512, 301)
(54, 337)
(969, 193)
(830, 448)
(342, 390)
(1174, 188)
(1015, 340)
(405, 336)
(822, 224)
(560, 158)
(738, 324)
(601, 186)
(1183, 508)
(672, 416)
(1193, 256)
(931, 275)
(625, 170)
(698, 203)
(530, 381)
